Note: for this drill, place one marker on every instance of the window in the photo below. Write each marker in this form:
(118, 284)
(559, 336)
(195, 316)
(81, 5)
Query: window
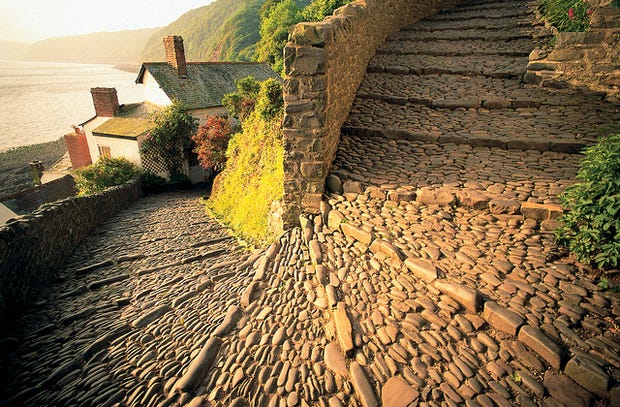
(104, 151)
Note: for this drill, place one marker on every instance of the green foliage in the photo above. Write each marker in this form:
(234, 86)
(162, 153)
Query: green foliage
(277, 16)
(170, 136)
(319, 9)
(253, 179)
(567, 15)
(201, 29)
(212, 141)
(591, 228)
(239, 34)
(270, 102)
(151, 182)
(241, 103)
(105, 173)
(254, 174)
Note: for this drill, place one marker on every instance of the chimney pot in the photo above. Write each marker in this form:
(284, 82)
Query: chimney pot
(175, 53)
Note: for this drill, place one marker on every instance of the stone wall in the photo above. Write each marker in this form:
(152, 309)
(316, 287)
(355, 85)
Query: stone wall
(33, 246)
(325, 63)
(583, 59)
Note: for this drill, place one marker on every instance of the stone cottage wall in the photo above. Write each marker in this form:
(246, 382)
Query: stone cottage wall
(324, 64)
(33, 246)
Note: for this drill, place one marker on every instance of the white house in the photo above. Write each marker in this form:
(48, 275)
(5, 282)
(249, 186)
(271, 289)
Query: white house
(117, 130)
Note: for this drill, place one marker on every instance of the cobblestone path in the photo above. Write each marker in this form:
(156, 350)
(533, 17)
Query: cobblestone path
(429, 278)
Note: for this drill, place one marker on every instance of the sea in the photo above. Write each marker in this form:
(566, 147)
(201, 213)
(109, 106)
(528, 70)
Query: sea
(40, 101)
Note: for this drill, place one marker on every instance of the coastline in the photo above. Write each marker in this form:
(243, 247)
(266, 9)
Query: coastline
(14, 164)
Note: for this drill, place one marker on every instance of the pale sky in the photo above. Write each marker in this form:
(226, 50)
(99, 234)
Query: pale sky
(33, 20)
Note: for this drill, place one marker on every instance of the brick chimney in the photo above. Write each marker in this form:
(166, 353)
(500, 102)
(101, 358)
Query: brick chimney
(175, 53)
(105, 101)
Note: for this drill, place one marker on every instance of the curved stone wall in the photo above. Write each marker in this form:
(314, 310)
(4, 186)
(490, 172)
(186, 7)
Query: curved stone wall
(324, 64)
(33, 246)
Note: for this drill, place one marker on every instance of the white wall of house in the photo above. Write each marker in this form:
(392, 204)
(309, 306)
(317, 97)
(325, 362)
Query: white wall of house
(120, 147)
(152, 92)
(92, 143)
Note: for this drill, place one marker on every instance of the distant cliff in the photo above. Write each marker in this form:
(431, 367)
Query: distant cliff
(223, 30)
(105, 47)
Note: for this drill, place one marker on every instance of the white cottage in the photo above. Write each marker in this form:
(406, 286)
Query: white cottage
(117, 130)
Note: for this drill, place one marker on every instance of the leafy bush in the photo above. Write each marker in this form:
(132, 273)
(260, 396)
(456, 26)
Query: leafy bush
(270, 101)
(277, 16)
(151, 182)
(254, 174)
(212, 141)
(253, 179)
(170, 136)
(567, 15)
(241, 103)
(591, 228)
(105, 173)
(319, 9)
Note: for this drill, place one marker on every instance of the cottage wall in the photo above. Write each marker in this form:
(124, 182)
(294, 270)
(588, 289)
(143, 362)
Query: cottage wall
(325, 63)
(88, 130)
(121, 147)
(152, 92)
(33, 246)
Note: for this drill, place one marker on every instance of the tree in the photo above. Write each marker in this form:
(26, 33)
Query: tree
(319, 9)
(276, 18)
(212, 142)
(170, 136)
(242, 102)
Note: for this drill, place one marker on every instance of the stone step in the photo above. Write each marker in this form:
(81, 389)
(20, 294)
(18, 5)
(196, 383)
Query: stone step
(475, 23)
(493, 5)
(500, 66)
(470, 34)
(516, 48)
(492, 93)
(390, 164)
(514, 9)
(547, 127)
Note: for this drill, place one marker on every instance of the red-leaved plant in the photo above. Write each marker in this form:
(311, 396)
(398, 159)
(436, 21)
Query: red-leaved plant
(212, 142)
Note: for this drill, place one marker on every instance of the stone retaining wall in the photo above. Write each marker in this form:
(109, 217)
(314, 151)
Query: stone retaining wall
(324, 64)
(583, 59)
(33, 246)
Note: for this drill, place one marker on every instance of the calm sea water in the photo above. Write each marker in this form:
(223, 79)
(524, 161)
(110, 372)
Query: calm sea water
(39, 101)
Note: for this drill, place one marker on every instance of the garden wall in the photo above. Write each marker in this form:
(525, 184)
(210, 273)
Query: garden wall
(588, 59)
(33, 246)
(325, 63)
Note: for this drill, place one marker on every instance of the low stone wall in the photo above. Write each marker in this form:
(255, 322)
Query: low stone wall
(33, 246)
(583, 59)
(325, 63)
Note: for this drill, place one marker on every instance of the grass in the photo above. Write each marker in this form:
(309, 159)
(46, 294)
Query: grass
(567, 15)
(252, 180)
(14, 164)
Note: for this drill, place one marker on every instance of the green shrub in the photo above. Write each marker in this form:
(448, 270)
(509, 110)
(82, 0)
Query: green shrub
(253, 179)
(170, 136)
(319, 9)
(591, 228)
(105, 173)
(270, 102)
(254, 174)
(151, 182)
(567, 15)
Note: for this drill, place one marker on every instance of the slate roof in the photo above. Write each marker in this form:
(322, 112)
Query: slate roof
(206, 83)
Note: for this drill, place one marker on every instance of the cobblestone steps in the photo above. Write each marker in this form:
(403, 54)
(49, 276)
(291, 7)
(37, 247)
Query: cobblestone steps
(129, 311)
(515, 48)
(494, 93)
(465, 121)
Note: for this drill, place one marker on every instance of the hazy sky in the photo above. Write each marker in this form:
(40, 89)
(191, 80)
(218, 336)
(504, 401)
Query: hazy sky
(33, 20)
